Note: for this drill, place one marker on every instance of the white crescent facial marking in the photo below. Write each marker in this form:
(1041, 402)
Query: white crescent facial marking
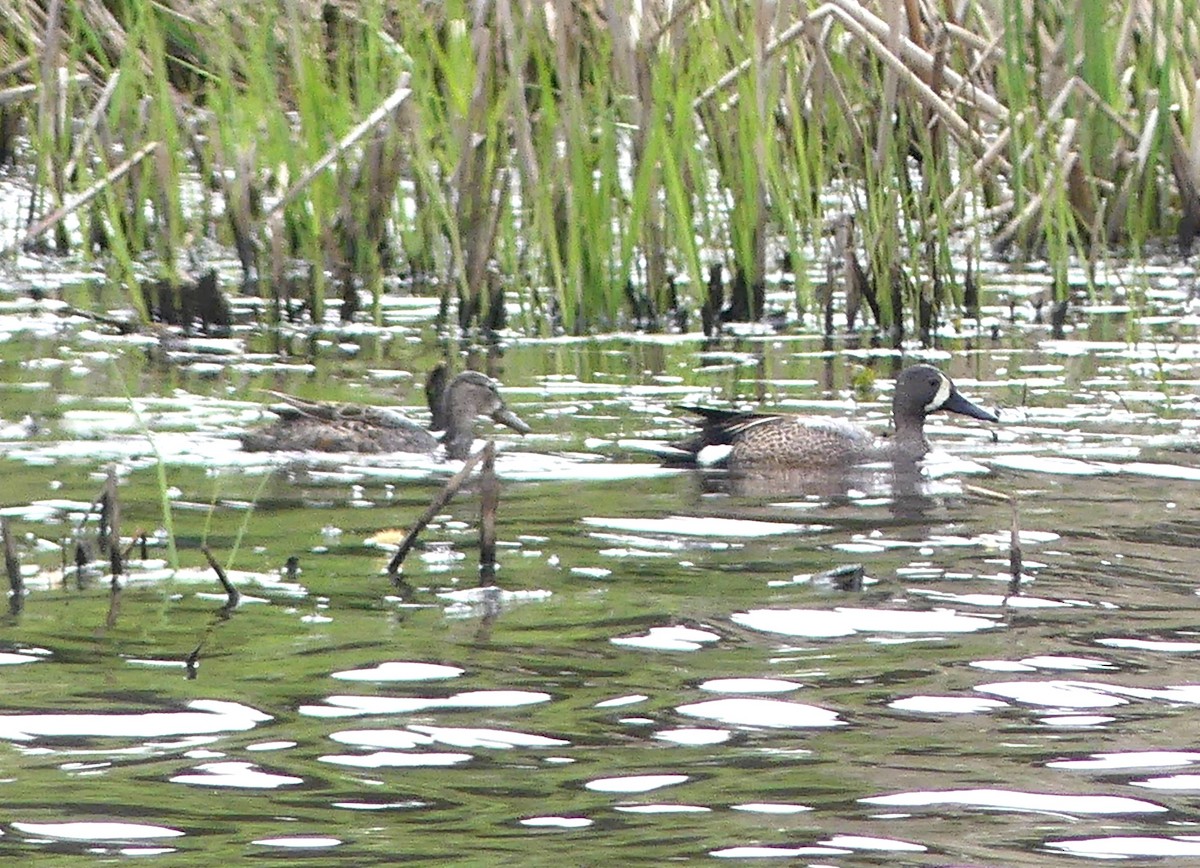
(942, 396)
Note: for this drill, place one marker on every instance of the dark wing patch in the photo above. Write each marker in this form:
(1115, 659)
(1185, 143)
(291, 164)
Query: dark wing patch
(718, 427)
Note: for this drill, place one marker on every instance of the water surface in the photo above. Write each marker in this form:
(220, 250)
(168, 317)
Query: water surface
(663, 672)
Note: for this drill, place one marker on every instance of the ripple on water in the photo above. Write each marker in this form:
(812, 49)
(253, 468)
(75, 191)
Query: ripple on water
(400, 671)
(775, 713)
(98, 831)
(1054, 694)
(1167, 646)
(1123, 847)
(758, 852)
(208, 717)
(828, 624)
(694, 736)
(749, 685)
(389, 759)
(8, 658)
(771, 808)
(1145, 759)
(239, 775)
(1017, 800)
(1044, 661)
(634, 783)
(869, 844)
(341, 706)
(299, 842)
(947, 704)
(557, 822)
(718, 528)
(668, 639)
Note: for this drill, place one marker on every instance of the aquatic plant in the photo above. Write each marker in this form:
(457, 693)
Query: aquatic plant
(600, 159)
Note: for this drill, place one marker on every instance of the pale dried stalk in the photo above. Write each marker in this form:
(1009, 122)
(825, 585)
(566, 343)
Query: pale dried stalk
(393, 101)
(20, 93)
(1193, 148)
(439, 502)
(891, 86)
(829, 78)
(475, 177)
(924, 93)
(90, 123)
(788, 36)
(912, 56)
(83, 198)
(1066, 159)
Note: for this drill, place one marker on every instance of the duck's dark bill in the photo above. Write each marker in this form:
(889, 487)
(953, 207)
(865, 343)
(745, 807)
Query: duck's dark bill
(958, 404)
(507, 417)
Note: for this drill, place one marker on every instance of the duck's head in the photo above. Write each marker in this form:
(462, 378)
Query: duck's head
(469, 396)
(923, 389)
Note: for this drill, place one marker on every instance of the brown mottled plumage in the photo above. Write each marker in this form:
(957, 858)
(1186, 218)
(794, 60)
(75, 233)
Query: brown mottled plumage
(305, 426)
(782, 440)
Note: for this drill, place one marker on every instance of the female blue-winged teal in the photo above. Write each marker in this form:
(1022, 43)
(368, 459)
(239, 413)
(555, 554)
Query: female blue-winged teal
(780, 440)
(305, 426)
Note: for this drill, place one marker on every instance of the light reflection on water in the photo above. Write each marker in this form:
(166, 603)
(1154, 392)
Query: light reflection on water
(661, 674)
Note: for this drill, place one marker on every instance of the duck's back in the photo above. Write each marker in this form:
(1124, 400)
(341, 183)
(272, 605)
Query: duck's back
(771, 440)
(365, 430)
(802, 441)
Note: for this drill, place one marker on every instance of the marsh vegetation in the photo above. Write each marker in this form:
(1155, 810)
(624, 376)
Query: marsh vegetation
(614, 163)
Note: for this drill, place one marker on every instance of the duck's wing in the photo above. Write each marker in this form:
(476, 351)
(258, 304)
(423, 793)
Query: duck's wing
(718, 427)
(339, 414)
(723, 427)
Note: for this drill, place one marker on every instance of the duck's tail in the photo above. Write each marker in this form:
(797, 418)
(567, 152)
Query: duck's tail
(709, 446)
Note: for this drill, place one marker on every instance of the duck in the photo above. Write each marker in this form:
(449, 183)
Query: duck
(309, 426)
(779, 440)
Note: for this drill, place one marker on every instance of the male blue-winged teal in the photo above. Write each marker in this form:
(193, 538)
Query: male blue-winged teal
(763, 440)
(309, 426)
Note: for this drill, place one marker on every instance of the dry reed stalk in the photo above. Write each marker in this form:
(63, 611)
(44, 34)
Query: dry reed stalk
(1187, 179)
(671, 24)
(1118, 204)
(390, 103)
(16, 67)
(110, 526)
(238, 183)
(985, 47)
(477, 175)
(489, 491)
(52, 118)
(1192, 148)
(828, 78)
(952, 120)
(82, 199)
(91, 122)
(515, 52)
(1066, 158)
(891, 86)
(22, 35)
(1015, 560)
(232, 595)
(631, 54)
(1014, 533)
(452, 486)
(12, 566)
(19, 93)
(993, 154)
(789, 35)
(912, 57)
(375, 181)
